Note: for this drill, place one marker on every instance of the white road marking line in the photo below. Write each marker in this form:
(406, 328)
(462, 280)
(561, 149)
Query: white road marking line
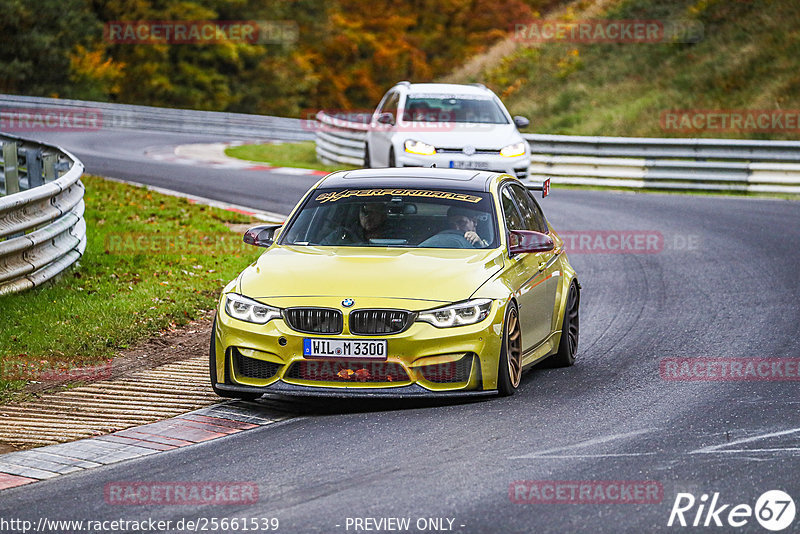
(610, 455)
(585, 443)
(716, 448)
(776, 449)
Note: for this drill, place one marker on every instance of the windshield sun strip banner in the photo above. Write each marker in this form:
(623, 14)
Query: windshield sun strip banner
(333, 196)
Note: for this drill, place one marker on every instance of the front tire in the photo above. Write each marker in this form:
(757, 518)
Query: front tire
(392, 162)
(570, 328)
(509, 368)
(367, 161)
(212, 367)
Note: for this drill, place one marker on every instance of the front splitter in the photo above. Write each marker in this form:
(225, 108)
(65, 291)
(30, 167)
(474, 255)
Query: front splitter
(401, 392)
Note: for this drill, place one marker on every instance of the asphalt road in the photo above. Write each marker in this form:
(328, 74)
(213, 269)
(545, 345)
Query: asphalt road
(726, 284)
(122, 154)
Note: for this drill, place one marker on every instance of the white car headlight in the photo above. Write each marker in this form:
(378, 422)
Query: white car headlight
(245, 309)
(418, 147)
(512, 151)
(463, 313)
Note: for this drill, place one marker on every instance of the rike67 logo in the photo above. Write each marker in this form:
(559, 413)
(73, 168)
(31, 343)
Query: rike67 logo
(774, 510)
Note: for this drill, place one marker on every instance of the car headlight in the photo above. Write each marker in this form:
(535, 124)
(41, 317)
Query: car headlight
(512, 151)
(463, 313)
(418, 147)
(245, 309)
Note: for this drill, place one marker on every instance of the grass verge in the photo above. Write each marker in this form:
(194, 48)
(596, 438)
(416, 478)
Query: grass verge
(152, 261)
(302, 155)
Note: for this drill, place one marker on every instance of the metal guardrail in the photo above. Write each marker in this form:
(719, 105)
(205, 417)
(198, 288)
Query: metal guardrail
(42, 229)
(635, 162)
(123, 116)
(340, 140)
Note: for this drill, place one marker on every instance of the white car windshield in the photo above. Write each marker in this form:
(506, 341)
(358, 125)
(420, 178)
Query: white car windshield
(394, 217)
(453, 109)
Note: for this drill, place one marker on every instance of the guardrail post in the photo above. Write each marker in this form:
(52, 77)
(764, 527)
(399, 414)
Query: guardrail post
(33, 162)
(49, 167)
(10, 167)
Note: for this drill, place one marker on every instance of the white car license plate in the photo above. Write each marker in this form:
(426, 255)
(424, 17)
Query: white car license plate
(481, 165)
(353, 349)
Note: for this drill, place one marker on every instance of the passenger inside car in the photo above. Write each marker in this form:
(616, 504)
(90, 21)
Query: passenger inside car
(462, 231)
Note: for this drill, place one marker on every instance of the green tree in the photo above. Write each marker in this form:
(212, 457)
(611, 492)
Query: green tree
(39, 39)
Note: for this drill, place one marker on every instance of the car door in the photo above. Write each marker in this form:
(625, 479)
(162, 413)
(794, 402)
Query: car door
(536, 281)
(380, 135)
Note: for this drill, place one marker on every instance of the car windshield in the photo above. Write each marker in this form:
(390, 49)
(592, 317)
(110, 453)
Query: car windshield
(396, 217)
(453, 109)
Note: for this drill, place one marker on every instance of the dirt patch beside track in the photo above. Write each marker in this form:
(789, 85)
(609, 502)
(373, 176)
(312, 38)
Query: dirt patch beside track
(165, 376)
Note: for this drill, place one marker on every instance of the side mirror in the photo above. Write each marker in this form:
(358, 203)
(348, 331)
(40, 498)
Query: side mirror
(525, 241)
(521, 122)
(261, 236)
(386, 118)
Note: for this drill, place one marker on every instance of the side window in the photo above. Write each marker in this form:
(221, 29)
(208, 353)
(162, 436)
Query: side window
(539, 215)
(390, 106)
(383, 102)
(531, 213)
(512, 216)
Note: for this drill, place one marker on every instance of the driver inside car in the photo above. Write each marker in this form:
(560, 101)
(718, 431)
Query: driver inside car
(372, 224)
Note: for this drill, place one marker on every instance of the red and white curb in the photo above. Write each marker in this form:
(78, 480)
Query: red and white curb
(213, 155)
(26, 467)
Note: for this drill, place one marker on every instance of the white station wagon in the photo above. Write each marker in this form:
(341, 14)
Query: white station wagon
(446, 125)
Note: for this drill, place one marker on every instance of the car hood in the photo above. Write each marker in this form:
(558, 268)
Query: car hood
(489, 136)
(438, 275)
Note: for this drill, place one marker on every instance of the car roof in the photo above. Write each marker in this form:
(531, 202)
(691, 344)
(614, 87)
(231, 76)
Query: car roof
(418, 177)
(447, 89)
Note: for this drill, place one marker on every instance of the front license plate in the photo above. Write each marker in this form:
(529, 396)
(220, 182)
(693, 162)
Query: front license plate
(481, 165)
(354, 349)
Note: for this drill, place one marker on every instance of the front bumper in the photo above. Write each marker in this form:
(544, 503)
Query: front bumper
(517, 166)
(251, 358)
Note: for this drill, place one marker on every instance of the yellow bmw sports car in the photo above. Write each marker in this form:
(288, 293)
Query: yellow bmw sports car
(399, 283)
